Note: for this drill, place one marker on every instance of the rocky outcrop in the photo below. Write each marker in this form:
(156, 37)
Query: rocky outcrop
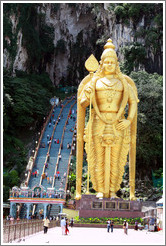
(82, 28)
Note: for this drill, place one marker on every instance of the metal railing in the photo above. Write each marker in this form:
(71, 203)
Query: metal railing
(23, 228)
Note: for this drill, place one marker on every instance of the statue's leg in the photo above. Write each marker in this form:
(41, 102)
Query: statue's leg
(114, 173)
(99, 169)
(123, 156)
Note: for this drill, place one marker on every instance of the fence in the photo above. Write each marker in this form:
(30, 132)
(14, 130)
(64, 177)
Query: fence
(23, 228)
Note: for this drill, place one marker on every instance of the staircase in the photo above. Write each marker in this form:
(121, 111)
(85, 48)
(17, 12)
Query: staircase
(54, 150)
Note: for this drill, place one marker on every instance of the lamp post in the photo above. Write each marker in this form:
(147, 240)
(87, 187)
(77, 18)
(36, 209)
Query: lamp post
(69, 182)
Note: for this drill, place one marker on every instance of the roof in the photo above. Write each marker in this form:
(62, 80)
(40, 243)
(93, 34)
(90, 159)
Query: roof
(160, 201)
(6, 205)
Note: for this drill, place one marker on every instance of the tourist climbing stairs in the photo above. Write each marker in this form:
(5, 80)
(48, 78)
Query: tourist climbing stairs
(48, 152)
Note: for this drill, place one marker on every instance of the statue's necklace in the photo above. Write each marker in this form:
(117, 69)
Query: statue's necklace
(111, 92)
(109, 83)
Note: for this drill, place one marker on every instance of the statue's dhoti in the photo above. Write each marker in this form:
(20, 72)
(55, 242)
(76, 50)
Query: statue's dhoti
(107, 155)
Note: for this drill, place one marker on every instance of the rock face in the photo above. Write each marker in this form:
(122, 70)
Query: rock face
(82, 29)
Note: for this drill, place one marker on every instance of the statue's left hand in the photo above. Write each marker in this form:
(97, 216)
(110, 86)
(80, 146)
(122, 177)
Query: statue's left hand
(123, 124)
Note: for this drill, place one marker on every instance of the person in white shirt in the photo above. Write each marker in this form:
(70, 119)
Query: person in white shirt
(46, 224)
(63, 225)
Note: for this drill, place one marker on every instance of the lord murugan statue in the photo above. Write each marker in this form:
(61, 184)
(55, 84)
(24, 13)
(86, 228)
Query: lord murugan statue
(110, 134)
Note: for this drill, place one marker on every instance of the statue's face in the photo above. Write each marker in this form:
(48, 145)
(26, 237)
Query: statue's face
(109, 65)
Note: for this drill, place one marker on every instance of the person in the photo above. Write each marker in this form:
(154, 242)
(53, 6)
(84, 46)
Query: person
(54, 122)
(66, 227)
(48, 136)
(58, 141)
(60, 156)
(108, 225)
(125, 227)
(71, 222)
(37, 172)
(136, 226)
(109, 134)
(48, 179)
(68, 146)
(11, 220)
(55, 140)
(46, 224)
(46, 174)
(49, 124)
(51, 179)
(63, 225)
(64, 175)
(112, 225)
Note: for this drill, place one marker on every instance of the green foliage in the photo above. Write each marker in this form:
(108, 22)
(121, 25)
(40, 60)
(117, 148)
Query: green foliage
(150, 121)
(150, 32)
(103, 220)
(134, 55)
(9, 38)
(37, 36)
(6, 190)
(26, 102)
(72, 189)
(158, 173)
(135, 11)
(10, 179)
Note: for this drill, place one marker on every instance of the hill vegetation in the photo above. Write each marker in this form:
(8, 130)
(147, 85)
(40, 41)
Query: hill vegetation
(26, 95)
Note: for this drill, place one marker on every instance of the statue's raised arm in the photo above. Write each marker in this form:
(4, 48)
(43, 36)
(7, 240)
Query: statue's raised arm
(108, 135)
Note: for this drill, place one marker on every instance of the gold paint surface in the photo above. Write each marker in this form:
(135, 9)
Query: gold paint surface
(109, 136)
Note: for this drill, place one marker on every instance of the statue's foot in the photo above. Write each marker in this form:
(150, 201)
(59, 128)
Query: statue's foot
(113, 195)
(78, 196)
(99, 195)
(133, 198)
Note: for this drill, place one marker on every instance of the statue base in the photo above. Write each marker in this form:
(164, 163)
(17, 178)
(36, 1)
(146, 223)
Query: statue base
(90, 206)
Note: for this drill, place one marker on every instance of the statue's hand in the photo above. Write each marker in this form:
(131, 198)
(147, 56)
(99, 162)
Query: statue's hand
(88, 91)
(123, 124)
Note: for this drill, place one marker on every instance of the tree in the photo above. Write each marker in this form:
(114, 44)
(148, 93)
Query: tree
(150, 122)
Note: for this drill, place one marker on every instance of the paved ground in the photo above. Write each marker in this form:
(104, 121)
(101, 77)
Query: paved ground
(93, 236)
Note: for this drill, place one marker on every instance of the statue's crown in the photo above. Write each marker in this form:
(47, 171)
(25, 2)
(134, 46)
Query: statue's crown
(109, 44)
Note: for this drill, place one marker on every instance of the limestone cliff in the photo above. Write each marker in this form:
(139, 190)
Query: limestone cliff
(77, 31)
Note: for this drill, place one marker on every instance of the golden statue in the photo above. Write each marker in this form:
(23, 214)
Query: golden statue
(109, 134)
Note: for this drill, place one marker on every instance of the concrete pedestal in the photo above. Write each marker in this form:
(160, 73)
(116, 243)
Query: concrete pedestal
(90, 206)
